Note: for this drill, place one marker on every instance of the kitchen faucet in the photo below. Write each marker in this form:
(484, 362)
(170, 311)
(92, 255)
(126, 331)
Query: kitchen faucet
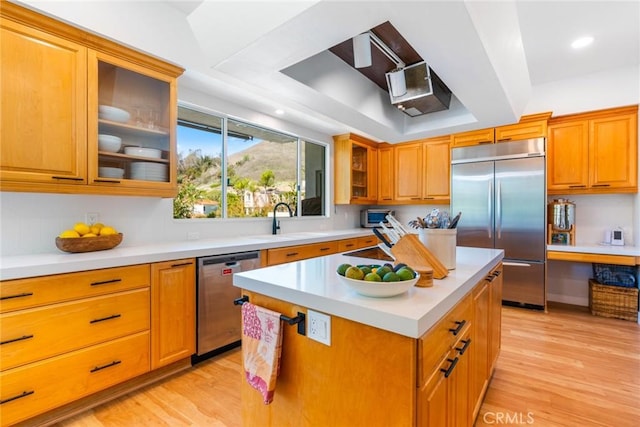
(276, 224)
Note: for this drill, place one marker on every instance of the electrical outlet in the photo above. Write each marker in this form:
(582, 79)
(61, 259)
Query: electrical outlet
(91, 218)
(319, 327)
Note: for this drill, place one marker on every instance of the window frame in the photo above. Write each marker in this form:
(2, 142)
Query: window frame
(224, 164)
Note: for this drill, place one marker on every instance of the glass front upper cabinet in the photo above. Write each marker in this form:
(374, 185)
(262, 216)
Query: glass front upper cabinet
(134, 129)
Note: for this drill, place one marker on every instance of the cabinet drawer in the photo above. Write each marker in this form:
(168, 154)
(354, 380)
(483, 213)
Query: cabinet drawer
(53, 382)
(35, 334)
(520, 131)
(365, 242)
(37, 291)
(440, 338)
(347, 245)
(295, 253)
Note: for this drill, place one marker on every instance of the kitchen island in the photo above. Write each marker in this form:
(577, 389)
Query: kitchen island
(421, 358)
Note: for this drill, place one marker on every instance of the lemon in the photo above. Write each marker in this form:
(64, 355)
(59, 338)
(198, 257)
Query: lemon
(95, 228)
(69, 234)
(81, 228)
(90, 235)
(107, 231)
(354, 273)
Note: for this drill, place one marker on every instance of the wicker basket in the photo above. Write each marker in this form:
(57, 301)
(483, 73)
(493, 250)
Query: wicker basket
(613, 301)
(88, 244)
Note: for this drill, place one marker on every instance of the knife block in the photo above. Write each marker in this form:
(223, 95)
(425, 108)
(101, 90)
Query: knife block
(410, 250)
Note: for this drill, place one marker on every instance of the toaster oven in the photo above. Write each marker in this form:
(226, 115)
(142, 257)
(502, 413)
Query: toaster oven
(370, 218)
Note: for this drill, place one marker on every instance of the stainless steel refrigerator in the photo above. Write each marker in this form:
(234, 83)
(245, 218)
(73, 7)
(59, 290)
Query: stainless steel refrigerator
(501, 191)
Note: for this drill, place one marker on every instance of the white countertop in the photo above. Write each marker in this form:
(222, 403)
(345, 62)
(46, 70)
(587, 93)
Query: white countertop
(597, 249)
(313, 284)
(15, 267)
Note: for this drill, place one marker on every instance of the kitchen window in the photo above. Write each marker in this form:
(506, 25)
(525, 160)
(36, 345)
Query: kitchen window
(260, 168)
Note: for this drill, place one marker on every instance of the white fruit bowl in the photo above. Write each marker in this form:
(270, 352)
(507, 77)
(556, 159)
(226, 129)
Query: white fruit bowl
(113, 114)
(379, 289)
(109, 143)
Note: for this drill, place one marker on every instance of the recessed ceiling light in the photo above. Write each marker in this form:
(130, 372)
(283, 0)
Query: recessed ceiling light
(279, 112)
(582, 42)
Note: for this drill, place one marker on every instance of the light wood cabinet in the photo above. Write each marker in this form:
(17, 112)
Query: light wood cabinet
(173, 308)
(422, 171)
(428, 382)
(530, 126)
(355, 170)
(408, 172)
(43, 126)
(487, 306)
(594, 152)
(67, 336)
(53, 79)
(444, 366)
(386, 175)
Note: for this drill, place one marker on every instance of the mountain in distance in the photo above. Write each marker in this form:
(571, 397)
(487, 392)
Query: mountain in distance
(266, 155)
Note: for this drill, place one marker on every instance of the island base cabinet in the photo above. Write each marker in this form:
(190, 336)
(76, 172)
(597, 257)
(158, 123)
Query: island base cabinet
(38, 387)
(366, 377)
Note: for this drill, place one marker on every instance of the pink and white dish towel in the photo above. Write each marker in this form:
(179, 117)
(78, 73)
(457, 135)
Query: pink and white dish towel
(261, 348)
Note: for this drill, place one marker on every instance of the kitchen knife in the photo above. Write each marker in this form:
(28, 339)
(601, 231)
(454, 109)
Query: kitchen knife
(454, 221)
(380, 236)
(391, 233)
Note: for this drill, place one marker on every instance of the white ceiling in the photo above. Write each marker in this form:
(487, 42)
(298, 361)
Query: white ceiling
(491, 54)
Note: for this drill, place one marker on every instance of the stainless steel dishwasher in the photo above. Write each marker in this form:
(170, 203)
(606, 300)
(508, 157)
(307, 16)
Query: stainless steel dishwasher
(219, 320)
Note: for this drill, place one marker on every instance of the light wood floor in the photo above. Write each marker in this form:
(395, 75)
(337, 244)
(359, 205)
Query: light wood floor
(563, 368)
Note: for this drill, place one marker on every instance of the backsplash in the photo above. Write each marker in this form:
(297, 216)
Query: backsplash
(31, 221)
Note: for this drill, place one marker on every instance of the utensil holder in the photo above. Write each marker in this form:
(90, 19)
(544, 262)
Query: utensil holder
(442, 243)
(409, 250)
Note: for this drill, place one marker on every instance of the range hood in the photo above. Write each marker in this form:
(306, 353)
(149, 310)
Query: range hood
(425, 92)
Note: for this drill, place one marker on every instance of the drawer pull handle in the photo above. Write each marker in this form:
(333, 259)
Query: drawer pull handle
(464, 348)
(601, 185)
(448, 371)
(577, 186)
(24, 337)
(70, 178)
(504, 140)
(349, 245)
(457, 330)
(292, 254)
(19, 396)
(108, 365)
(181, 264)
(113, 316)
(24, 294)
(324, 249)
(109, 181)
(106, 282)
(497, 273)
(485, 142)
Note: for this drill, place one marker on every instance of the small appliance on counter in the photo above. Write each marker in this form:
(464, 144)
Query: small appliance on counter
(371, 218)
(561, 217)
(614, 237)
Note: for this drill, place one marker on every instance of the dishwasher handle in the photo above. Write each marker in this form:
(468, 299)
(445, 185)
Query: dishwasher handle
(230, 258)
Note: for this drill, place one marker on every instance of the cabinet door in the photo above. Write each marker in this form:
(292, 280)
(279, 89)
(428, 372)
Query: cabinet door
(385, 174)
(145, 123)
(173, 306)
(436, 170)
(568, 156)
(522, 130)
(408, 172)
(495, 324)
(432, 399)
(480, 352)
(474, 137)
(458, 387)
(43, 81)
(613, 152)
